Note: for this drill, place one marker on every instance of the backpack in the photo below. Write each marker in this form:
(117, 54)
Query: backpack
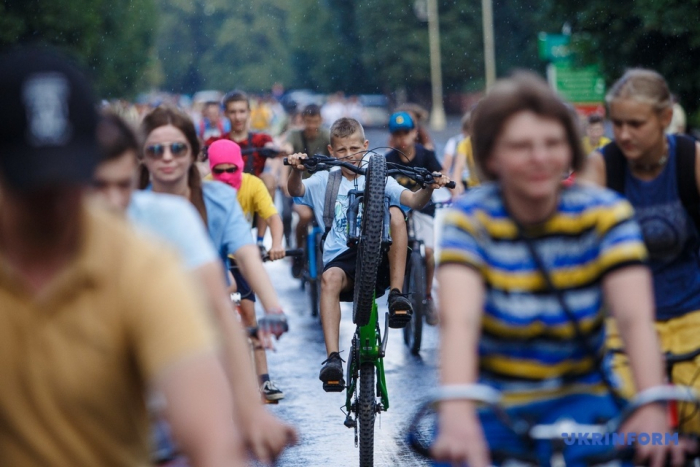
(332, 188)
(615, 164)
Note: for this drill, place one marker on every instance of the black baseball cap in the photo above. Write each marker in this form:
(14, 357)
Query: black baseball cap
(48, 121)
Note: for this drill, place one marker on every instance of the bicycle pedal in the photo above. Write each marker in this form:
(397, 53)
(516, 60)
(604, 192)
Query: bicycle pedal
(350, 422)
(265, 401)
(333, 386)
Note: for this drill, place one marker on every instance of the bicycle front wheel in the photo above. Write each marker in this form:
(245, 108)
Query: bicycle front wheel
(366, 411)
(413, 332)
(369, 249)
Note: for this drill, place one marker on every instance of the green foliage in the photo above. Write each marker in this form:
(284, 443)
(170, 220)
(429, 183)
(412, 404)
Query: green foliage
(111, 39)
(223, 44)
(663, 35)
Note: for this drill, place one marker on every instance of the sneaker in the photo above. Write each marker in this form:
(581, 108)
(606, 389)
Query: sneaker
(431, 314)
(271, 392)
(332, 373)
(400, 309)
(297, 266)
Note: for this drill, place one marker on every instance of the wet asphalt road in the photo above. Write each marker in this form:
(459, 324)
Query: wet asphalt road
(323, 439)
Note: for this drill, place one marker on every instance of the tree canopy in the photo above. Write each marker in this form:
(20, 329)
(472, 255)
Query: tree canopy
(111, 39)
(354, 46)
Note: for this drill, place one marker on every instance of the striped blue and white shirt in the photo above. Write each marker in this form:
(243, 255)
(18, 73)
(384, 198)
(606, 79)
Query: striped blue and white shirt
(528, 347)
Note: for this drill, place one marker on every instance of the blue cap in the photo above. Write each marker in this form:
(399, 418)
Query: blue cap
(401, 121)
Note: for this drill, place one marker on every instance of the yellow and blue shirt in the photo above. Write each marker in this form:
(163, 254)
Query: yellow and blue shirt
(528, 347)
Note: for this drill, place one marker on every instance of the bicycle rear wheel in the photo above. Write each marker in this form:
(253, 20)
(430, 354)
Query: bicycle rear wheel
(413, 332)
(366, 412)
(369, 249)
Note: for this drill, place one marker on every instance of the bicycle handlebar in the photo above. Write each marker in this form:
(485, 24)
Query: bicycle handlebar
(265, 152)
(422, 176)
(489, 396)
(294, 252)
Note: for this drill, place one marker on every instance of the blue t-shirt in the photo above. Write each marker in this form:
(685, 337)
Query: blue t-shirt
(315, 197)
(226, 224)
(174, 219)
(670, 237)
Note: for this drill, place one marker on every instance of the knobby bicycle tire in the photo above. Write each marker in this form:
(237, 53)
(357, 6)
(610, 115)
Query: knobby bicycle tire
(366, 414)
(413, 332)
(370, 245)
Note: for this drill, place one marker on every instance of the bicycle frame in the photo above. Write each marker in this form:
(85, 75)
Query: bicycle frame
(368, 347)
(311, 252)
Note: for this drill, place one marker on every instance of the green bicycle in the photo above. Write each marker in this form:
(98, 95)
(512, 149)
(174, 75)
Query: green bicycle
(366, 391)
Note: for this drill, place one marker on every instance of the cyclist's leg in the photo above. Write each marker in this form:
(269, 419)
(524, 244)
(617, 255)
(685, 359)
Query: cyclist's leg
(398, 249)
(306, 215)
(338, 276)
(400, 308)
(425, 231)
(249, 319)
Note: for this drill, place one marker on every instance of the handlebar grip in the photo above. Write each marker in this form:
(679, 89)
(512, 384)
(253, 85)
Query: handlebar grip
(285, 161)
(294, 252)
(451, 185)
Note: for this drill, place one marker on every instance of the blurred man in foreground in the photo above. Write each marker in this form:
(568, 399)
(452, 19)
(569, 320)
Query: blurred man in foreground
(92, 316)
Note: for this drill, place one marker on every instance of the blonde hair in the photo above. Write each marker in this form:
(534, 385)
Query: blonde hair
(344, 127)
(642, 85)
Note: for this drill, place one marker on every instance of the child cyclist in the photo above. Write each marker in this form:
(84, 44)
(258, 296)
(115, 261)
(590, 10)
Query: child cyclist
(348, 143)
(525, 266)
(226, 165)
(412, 154)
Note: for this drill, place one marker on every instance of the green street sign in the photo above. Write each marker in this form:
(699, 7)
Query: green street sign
(583, 84)
(554, 47)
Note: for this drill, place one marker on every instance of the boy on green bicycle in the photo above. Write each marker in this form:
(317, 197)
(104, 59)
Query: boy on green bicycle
(348, 143)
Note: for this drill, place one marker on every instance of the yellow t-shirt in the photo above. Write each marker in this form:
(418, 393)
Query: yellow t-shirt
(253, 197)
(589, 148)
(77, 360)
(464, 149)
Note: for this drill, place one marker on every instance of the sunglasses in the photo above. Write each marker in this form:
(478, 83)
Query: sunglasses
(230, 170)
(156, 151)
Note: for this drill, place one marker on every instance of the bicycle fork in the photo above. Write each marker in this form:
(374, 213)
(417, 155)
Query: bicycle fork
(367, 347)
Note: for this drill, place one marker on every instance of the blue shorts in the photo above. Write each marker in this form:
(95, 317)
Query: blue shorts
(582, 408)
(242, 285)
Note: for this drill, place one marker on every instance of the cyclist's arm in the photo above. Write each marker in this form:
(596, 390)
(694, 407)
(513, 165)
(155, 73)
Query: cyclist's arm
(251, 266)
(203, 431)
(461, 297)
(295, 186)
(593, 171)
(262, 433)
(277, 232)
(628, 292)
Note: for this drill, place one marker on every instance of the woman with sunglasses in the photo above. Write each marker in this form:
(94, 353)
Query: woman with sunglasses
(168, 167)
(226, 162)
(525, 267)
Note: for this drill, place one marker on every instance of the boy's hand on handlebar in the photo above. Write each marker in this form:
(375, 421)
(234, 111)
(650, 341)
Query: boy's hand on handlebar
(653, 419)
(294, 161)
(276, 252)
(439, 181)
(460, 436)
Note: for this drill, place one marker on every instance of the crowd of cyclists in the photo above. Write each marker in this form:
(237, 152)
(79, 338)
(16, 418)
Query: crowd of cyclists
(124, 231)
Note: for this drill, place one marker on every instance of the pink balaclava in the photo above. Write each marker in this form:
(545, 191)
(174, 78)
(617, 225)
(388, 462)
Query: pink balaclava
(225, 151)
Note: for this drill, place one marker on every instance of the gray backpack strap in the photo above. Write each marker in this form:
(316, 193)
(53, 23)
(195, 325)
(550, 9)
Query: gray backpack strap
(334, 179)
